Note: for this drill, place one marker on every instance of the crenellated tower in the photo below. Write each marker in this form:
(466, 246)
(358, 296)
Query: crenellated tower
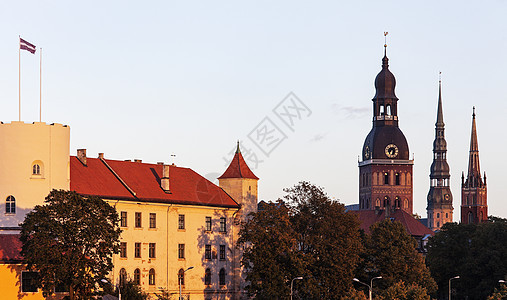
(385, 172)
(439, 207)
(474, 193)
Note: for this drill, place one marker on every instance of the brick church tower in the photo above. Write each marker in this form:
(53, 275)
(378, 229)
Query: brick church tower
(385, 172)
(474, 193)
(439, 207)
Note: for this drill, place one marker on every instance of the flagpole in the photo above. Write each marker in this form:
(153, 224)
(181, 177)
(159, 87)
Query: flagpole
(19, 79)
(40, 86)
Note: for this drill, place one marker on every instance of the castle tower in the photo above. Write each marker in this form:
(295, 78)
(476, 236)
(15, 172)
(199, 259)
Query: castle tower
(385, 172)
(474, 193)
(34, 159)
(241, 184)
(439, 207)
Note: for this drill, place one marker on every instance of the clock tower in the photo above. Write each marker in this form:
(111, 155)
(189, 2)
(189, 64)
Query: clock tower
(385, 171)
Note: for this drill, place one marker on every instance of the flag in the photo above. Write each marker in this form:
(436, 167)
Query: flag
(24, 45)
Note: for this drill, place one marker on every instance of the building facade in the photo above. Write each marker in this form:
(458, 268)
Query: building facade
(439, 207)
(474, 193)
(385, 172)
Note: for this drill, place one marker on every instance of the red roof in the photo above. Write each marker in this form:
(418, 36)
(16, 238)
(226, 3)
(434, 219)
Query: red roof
(411, 224)
(238, 168)
(186, 186)
(10, 248)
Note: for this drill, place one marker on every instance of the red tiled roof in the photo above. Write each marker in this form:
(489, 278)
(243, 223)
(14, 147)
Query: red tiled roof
(411, 224)
(186, 186)
(10, 248)
(238, 168)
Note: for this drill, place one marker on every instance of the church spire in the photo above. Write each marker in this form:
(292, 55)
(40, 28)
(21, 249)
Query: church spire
(474, 170)
(440, 113)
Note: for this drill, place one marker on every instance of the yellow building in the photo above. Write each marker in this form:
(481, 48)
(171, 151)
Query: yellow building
(176, 224)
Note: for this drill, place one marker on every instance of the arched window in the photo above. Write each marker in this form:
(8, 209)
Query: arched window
(388, 109)
(470, 218)
(438, 215)
(123, 276)
(377, 202)
(386, 178)
(381, 110)
(10, 205)
(221, 276)
(405, 204)
(386, 201)
(397, 202)
(181, 277)
(36, 169)
(151, 277)
(397, 178)
(207, 277)
(137, 276)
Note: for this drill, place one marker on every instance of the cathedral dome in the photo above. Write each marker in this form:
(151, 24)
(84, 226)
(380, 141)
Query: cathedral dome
(385, 142)
(385, 82)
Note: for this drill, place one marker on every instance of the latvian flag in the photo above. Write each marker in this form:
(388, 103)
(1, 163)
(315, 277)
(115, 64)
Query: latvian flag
(24, 45)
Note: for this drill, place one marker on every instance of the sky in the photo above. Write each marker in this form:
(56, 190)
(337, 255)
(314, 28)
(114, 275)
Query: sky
(182, 81)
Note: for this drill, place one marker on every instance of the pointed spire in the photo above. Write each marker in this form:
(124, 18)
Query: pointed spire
(474, 170)
(237, 149)
(440, 112)
(238, 168)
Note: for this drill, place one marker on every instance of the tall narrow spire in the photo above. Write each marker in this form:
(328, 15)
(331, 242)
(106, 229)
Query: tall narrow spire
(440, 113)
(474, 169)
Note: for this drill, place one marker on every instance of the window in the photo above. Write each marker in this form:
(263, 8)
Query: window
(387, 203)
(138, 220)
(151, 252)
(36, 169)
(386, 178)
(223, 227)
(181, 221)
(207, 277)
(222, 252)
(10, 205)
(181, 251)
(397, 178)
(207, 252)
(151, 277)
(123, 276)
(123, 219)
(137, 276)
(446, 215)
(137, 250)
(123, 249)
(153, 220)
(470, 217)
(438, 215)
(208, 223)
(181, 276)
(29, 281)
(221, 277)
(397, 202)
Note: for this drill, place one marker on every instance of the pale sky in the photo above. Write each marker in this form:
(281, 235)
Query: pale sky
(149, 79)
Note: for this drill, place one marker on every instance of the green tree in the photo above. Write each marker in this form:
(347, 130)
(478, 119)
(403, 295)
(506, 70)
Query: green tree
(476, 253)
(306, 235)
(328, 238)
(70, 241)
(391, 253)
(401, 291)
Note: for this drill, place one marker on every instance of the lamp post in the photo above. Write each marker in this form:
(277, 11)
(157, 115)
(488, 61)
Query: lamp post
(502, 281)
(179, 280)
(370, 287)
(292, 282)
(117, 286)
(455, 277)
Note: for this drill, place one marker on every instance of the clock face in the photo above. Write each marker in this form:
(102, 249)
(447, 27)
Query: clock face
(391, 150)
(367, 152)
(446, 196)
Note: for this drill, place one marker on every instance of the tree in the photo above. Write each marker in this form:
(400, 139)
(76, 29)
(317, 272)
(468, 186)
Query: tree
(391, 253)
(499, 293)
(306, 235)
(401, 291)
(70, 241)
(476, 253)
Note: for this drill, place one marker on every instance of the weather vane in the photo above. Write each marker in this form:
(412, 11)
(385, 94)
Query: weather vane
(385, 38)
(440, 76)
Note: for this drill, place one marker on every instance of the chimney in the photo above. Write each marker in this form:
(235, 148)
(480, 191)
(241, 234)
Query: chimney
(164, 181)
(101, 155)
(81, 155)
(138, 160)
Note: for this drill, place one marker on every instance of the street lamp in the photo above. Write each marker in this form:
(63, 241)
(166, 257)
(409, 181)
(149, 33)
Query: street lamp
(455, 277)
(291, 282)
(179, 280)
(117, 286)
(370, 287)
(502, 281)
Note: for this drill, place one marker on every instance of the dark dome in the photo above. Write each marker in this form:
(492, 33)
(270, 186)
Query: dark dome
(385, 82)
(439, 168)
(380, 137)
